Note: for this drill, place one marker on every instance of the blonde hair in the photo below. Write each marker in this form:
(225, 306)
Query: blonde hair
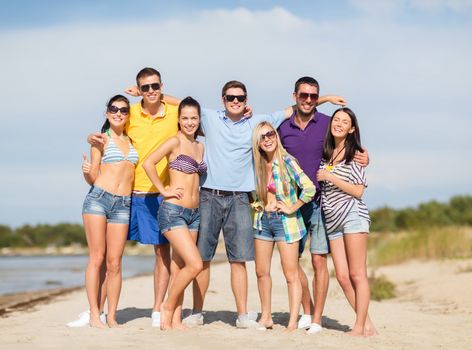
(260, 162)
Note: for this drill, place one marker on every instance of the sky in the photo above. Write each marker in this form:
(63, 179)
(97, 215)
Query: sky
(403, 66)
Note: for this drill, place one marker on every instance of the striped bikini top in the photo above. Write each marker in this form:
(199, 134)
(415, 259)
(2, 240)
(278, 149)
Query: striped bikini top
(188, 165)
(113, 153)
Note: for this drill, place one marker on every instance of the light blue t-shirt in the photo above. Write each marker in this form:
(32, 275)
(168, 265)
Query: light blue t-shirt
(228, 149)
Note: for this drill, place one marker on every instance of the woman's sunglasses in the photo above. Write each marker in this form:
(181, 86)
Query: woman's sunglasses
(123, 110)
(269, 134)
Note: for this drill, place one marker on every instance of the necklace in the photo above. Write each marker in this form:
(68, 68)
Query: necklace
(330, 165)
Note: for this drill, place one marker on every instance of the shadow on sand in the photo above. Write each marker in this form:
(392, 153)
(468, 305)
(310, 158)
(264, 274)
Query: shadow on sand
(132, 313)
(228, 317)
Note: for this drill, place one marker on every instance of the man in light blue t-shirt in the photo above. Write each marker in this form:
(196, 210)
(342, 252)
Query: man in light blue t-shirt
(225, 192)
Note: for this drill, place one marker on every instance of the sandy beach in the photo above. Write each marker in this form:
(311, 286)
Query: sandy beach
(432, 310)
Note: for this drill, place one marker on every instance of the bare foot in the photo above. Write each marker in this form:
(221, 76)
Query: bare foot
(112, 323)
(290, 328)
(179, 326)
(166, 317)
(369, 332)
(369, 329)
(355, 333)
(95, 322)
(267, 322)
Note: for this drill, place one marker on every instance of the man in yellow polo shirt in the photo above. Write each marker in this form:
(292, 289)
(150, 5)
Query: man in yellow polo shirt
(151, 122)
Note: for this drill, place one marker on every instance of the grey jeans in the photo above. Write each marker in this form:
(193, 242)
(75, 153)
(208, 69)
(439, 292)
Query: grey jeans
(232, 214)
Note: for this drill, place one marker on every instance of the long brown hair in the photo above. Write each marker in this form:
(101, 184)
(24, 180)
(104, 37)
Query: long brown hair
(353, 140)
(260, 162)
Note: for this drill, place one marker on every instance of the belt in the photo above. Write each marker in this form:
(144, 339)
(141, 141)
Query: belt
(222, 193)
(145, 195)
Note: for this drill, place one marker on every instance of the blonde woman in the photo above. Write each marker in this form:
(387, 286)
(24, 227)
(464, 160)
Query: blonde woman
(277, 218)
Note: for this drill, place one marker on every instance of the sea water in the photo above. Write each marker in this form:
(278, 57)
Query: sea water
(33, 273)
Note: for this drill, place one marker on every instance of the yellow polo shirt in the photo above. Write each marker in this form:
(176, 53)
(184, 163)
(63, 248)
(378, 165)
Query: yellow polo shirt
(147, 135)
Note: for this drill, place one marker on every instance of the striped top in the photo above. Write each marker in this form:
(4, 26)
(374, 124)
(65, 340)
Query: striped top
(113, 154)
(188, 165)
(293, 224)
(336, 203)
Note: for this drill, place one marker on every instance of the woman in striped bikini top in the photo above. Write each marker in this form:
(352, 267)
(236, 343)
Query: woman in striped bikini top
(108, 214)
(183, 152)
(188, 165)
(115, 180)
(114, 154)
(178, 214)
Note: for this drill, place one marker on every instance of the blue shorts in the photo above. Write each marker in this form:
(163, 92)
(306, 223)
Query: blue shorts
(100, 202)
(272, 228)
(314, 220)
(231, 214)
(172, 216)
(143, 226)
(353, 223)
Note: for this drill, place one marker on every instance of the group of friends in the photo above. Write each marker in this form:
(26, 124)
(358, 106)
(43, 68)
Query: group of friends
(169, 173)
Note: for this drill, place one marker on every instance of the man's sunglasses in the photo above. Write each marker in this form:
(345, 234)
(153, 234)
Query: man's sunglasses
(123, 110)
(305, 95)
(269, 134)
(146, 87)
(231, 98)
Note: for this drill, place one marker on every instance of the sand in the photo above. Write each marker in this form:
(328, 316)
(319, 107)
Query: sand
(433, 310)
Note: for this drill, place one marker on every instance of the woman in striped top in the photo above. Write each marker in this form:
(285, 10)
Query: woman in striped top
(347, 217)
(277, 218)
(106, 209)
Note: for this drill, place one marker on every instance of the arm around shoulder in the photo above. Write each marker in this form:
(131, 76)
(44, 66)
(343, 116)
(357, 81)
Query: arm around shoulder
(171, 99)
(334, 99)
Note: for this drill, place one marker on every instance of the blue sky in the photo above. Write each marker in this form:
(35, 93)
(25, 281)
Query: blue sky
(403, 66)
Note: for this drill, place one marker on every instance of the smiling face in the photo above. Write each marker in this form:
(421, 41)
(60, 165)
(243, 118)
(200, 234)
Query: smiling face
(189, 120)
(341, 125)
(268, 139)
(231, 100)
(306, 98)
(149, 94)
(117, 114)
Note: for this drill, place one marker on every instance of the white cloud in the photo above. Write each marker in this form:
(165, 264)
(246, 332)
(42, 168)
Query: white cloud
(408, 84)
(459, 6)
(388, 8)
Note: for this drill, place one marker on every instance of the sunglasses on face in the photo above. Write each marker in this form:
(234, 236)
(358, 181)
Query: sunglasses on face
(122, 110)
(269, 134)
(305, 95)
(231, 98)
(154, 86)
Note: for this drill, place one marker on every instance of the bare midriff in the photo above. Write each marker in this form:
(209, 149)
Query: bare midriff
(116, 178)
(189, 184)
(271, 202)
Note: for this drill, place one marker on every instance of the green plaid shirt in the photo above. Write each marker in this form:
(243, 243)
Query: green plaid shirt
(293, 224)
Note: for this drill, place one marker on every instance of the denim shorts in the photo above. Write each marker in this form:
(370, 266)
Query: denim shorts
(100, 202)
(172, 216)
(353, 223)
(314, 219)
(232, 215)
(272, 228)
(143, 226)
